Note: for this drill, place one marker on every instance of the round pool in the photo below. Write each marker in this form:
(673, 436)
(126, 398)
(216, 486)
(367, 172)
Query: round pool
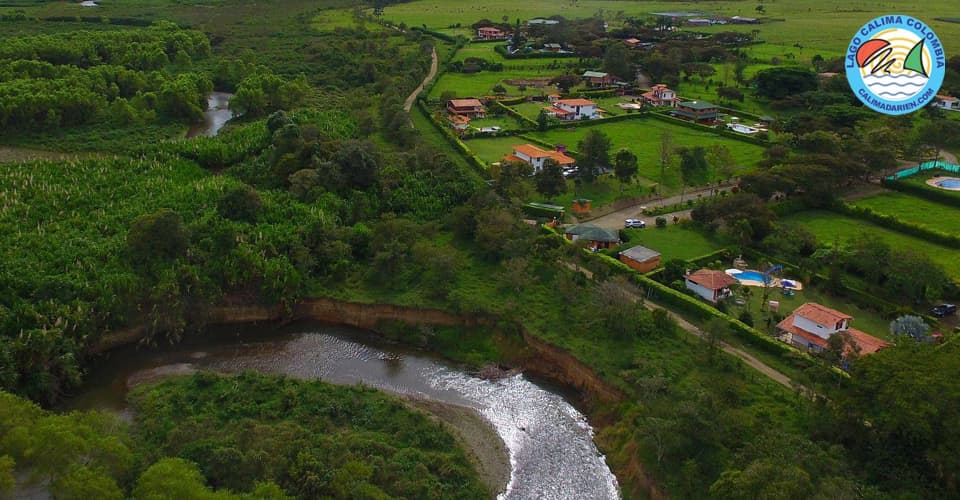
(951, 183)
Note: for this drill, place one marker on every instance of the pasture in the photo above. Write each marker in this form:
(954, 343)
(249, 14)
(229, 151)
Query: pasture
(932, 215)
(828, 225)
(673, 242)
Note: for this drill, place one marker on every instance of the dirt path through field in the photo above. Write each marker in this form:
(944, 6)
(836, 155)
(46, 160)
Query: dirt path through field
(430, 76)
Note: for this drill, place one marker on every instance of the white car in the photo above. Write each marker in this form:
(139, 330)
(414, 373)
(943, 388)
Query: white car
(634, 223)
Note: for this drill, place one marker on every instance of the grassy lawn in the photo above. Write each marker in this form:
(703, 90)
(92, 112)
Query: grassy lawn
(922, 178)
(673, 242)
(504, 122)
(604, 190)
(481, 84)
(493, 149)
(829, 225)
(642, 136)
(914, 209)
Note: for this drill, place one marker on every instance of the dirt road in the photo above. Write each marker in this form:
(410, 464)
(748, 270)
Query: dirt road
(430, 76)
(614, 220)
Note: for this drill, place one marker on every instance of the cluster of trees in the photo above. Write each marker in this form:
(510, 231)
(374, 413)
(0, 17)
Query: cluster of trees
(209, 436)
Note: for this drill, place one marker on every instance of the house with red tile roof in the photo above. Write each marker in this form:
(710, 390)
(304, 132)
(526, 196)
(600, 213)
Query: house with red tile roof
(472, 108)
(491, 33)
(811, 325)
(709, 284)
(660, 95)
(528, 153)
(573, 109)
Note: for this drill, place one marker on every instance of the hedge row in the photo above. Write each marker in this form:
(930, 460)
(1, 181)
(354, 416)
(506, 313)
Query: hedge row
(892, 222)
(512, 112)
(459, 145)
(598, 121)
(502, 50)
(723, 253)
(925, 192)
(715, 130)
(118, 21)
(499, 133)
(535, 211)
(436, 34)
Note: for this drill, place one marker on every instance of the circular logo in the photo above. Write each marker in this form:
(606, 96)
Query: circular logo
(895, 64)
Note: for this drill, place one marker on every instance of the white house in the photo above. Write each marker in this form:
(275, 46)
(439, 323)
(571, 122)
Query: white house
(709, 284)
(947, 102)
(811, 326)
(536, 157)
(573, 109)
(660, 95)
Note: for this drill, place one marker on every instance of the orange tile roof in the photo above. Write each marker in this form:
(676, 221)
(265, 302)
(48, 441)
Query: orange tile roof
(561, 158)
(513, 159)
(867, 343)
(713, 280)
(946, 97)
(577, 102)
(787, 325)
(556, 110)
(531, 151)
(821, 314)
(458, 119)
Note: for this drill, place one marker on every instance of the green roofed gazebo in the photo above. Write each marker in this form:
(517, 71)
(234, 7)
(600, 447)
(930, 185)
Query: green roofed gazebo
(597, 236)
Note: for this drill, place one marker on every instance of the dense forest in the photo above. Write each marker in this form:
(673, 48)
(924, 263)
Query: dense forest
(247, 436)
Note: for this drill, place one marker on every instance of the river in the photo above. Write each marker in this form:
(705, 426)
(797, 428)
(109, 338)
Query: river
(215, 117)
(550, 443)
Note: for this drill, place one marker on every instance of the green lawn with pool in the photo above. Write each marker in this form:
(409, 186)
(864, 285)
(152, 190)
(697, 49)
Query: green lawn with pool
(642, 136)
(828, 225)
(929, 214)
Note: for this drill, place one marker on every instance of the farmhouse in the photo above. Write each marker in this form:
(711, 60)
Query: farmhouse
(709, 284)
(597, 79)
(459, 122)
(811, 326)
(536, 157)
(641, 258)
(573, 109)
(660, 95)
(698, 111)
(472, 108)
(947, 102)
(596, 237)
(491, 33)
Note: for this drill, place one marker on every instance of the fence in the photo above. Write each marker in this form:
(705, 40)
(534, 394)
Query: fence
(930, 165)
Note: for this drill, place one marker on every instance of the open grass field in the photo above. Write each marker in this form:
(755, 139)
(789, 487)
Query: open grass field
(673, 242)
(829, 225)
(481, 84)
(494, 148)
(936, 216)
(642, 136)
(817, 26)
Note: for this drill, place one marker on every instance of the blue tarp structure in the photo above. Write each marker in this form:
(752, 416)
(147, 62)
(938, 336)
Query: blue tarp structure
(930, 165)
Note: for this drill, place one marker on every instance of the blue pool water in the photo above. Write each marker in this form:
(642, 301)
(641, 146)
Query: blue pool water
(749, 275)
(949, 183)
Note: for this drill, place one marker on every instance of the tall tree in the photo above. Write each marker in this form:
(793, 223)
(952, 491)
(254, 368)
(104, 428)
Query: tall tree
(625, 167)
(665, 153)
(594, 154)
(549, 180)
(615, 60)
(693, 165)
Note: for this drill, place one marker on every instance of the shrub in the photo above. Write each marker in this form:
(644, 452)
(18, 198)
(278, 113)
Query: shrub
(240, 203)
(661, 222)
(158, 235)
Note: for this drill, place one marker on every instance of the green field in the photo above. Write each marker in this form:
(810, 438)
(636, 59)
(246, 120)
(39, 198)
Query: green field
(919, 211)
(817, 26)
(673, 242)
(829, 225)
(494, 149)
(642, 136)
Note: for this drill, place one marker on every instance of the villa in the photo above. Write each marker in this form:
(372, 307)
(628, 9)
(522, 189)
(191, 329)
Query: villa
(811, 326)
(947, 102)
(536, 157)
(698, 111)
(660, 95)
(573, 109)
(491, 33)
(459, 122)
(713, 286)
(472, 108)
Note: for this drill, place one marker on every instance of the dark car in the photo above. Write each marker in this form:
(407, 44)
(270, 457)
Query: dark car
(944, 310)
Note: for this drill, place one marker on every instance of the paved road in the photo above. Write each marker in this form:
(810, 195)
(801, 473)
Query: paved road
(614, 220)
(430, 76)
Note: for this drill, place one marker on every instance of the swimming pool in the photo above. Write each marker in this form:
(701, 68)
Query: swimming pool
(749, 276)
(951, 183)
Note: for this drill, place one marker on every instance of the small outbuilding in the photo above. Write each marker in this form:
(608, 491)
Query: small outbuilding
(641, 258)
(596, 236)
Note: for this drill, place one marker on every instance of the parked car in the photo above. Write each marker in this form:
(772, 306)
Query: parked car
(944, 310)
(634, 223)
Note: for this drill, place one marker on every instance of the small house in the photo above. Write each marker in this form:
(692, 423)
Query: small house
(472, 108)
(811, 325)
(698, 111)
(552, 47)
(709, 284)
(573, 109)
(947, 102)
(599, 80)
(632, 43)
(491, 33)
(596, 236)
(536, 157)
(459, 122)
(660, 95)
(641, 258)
